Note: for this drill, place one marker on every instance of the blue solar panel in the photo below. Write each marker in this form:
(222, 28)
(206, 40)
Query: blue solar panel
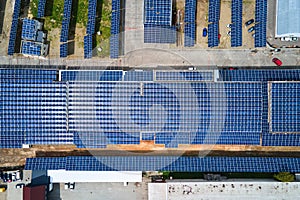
(214, 11)
(166, 163)
(138, 76)
(54, 163)
(88, 46)
(31, 48)
(27, 75)
(159, 34)
(213, 33)
(29, 29)
(91, 17)
(115, 29)
(236, 19)
(66, 20)
(64, 31)
(285, 105)
(14, 28)
(114, 46)
(189, 34)
(158, 12)
(41, 8)
(111, 75)
(63, 50)
(190, 11)
(261, 11)
(184, 76)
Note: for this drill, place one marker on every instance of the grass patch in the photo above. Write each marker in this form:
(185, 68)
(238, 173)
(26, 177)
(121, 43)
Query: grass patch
(82, 13)
(34, 7)
(102, 40)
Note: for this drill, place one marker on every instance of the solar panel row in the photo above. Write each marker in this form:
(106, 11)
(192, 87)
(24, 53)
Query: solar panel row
(236, 19)
(66, 20)
(90, 29)
(189, 34)
(214, 11)
(88, 46)
(159, 34)
(112, 75)
(190, 23)
(213, 34)
(115, 29)
(184, 76)
(165, 163)
(14, 28)
(63, 50)
(41, 8)
(261, 10)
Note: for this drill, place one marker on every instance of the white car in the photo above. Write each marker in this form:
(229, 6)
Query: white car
(287, 39)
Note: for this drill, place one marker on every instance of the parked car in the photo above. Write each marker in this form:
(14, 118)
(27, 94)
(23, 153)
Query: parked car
(277, 61)
(219, 36)
(229, 33)
(249, 22)
(287, 39)
(204, 32)
(10, 178)
(251, 29)
(72, 186)
(253, 35)
(229, 25)
(294, 39)
(20, 185)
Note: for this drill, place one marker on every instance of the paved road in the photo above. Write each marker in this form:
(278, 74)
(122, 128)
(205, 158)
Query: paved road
(153, 57)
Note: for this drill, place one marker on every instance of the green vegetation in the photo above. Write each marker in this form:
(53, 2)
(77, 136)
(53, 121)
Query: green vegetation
(284, 177)
(82, 13)
(34, 7)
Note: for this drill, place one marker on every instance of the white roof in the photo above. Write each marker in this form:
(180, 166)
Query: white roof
(227, 190)
(288, 18)
(63, 176)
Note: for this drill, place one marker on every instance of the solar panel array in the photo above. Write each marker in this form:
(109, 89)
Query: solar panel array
(236, 19)
(138, 76)
(285, 107)
(268, 139)
(28, 29)
(41, 8)
(213, 35)
(214, 11)
(33, 109)
(31, 48)
(90, 29)
(88, 46)
(261, 10)
(166, 163)
(66, 21)
(159, 34)
(190, 23)
(115, 29)
(158, 12)
(184, 76)
(14, 28)
(63, 50)
(98, 75)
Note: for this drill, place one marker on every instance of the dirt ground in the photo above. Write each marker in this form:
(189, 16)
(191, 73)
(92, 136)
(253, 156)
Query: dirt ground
(4, 37)
(17, 157)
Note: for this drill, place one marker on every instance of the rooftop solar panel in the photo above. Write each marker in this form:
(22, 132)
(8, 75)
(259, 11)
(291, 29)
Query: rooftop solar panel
(41, 8)
(88, 46)
(213, 35)
(63, 50)
(166, 163)
(159, 34)
(31, 48)
(158, 12)
(14, 28)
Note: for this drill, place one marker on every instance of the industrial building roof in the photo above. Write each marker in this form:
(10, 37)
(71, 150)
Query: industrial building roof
(287, 18)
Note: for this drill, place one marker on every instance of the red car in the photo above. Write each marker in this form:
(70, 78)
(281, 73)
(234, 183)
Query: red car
(277, 61)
